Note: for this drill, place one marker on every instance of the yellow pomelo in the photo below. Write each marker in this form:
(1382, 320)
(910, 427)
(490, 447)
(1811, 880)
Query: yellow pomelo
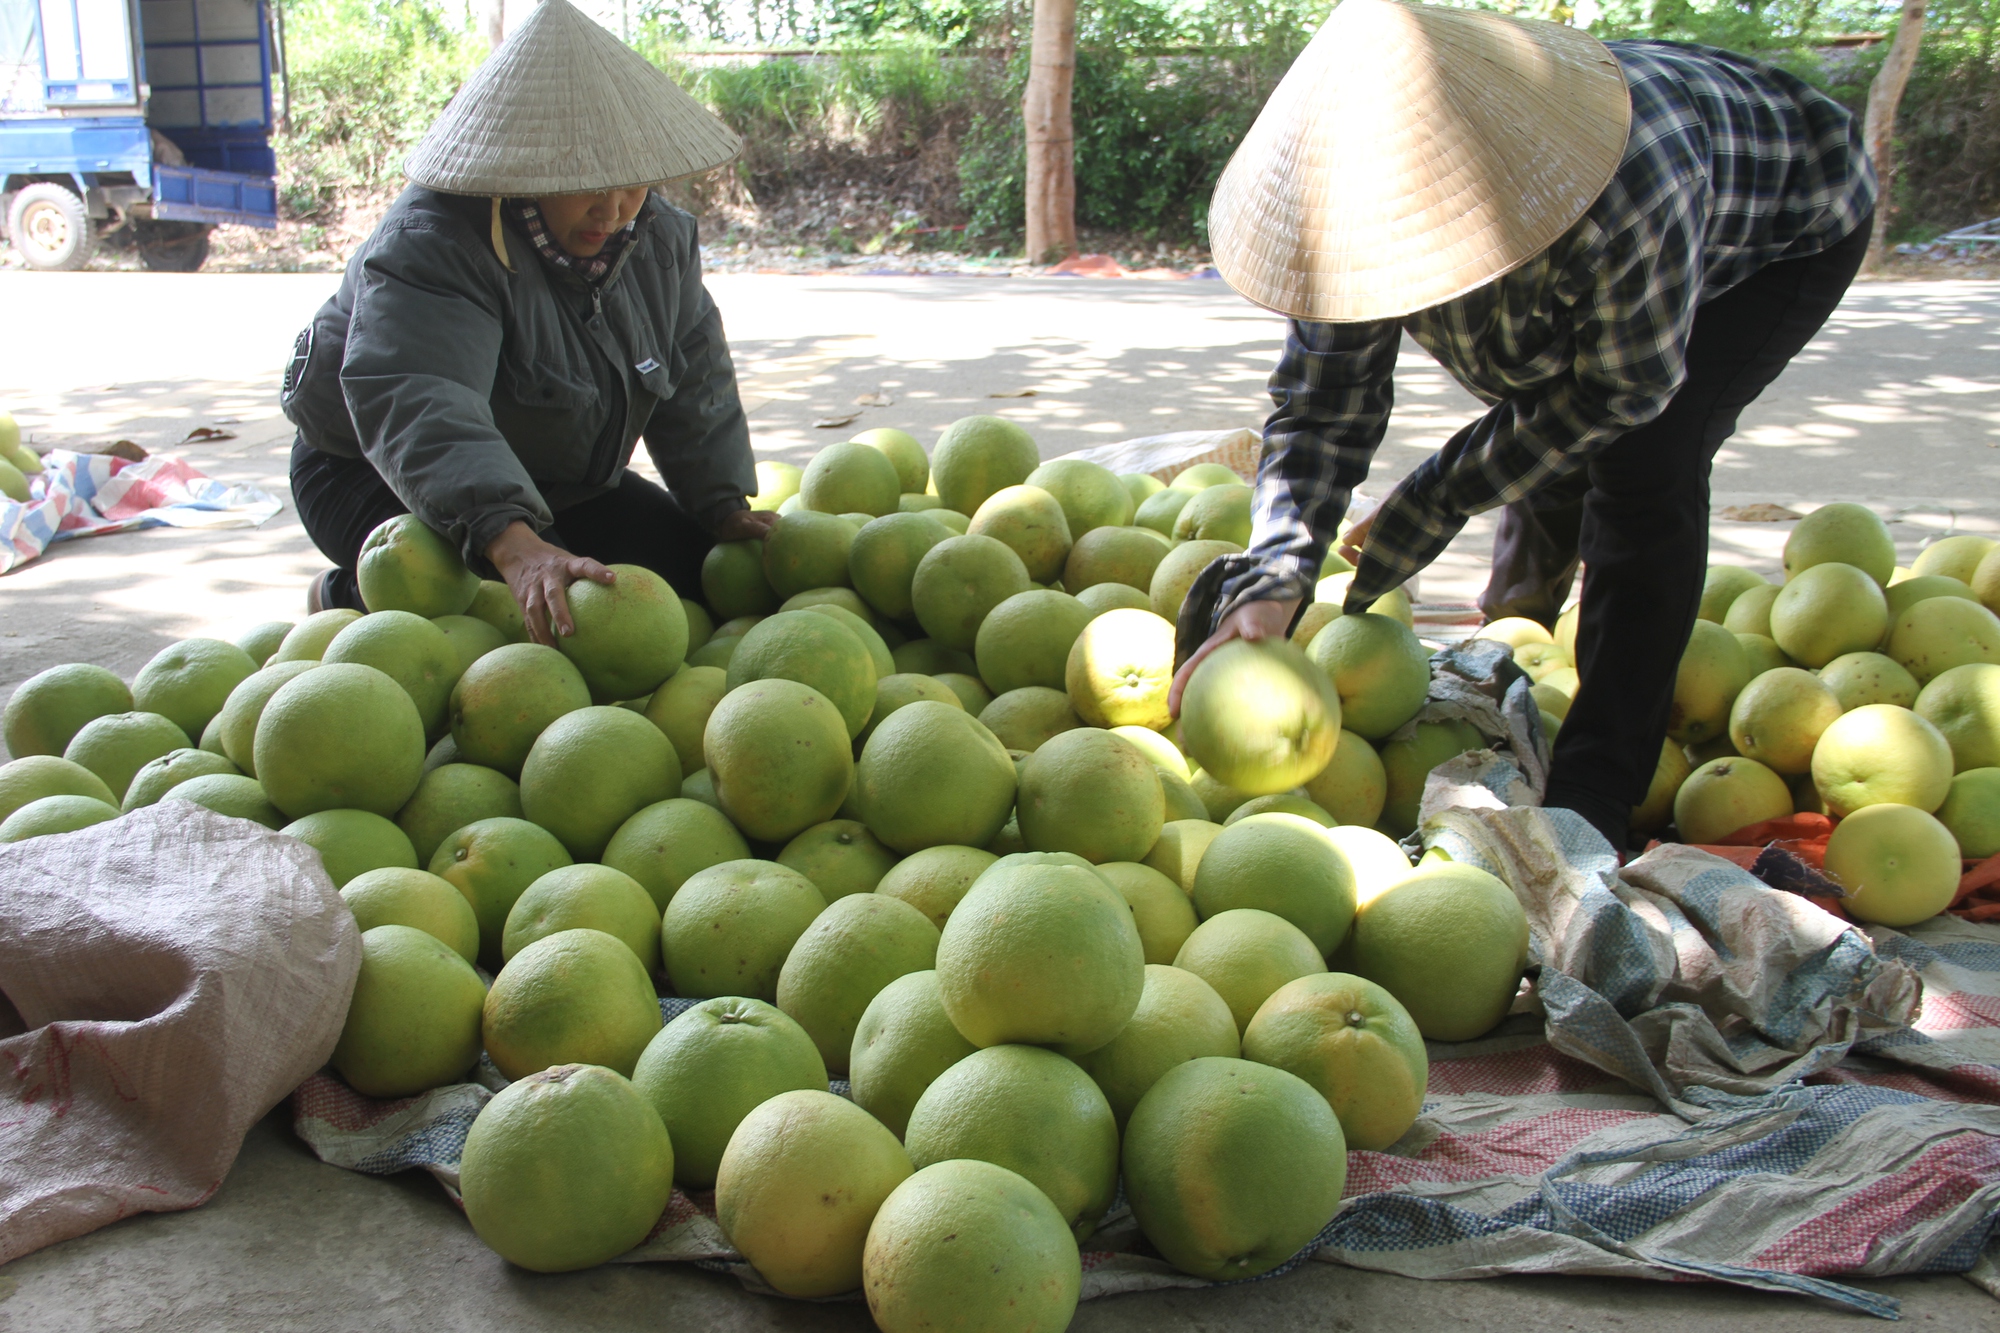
(188, 682)
(310, 636)
(591, 771)
(1026, 640)
(590, 897)
(1030, 521)
(578, 996)
(1159, 751)
(353, 842)
(1232, 1167)
(776, 483)
(1282, 864)
(932, 775)
(1377, 862)
(1181, 801)
(1395, 604)
(1515, 631)
(840, 857)
(1722, 586)
(1566, 682)
(1178, 851)
(1090, 793)
(117, 745)
(935, 879)
(410, 651)
(813, 650)
(1985, 580)
(733, 582)
(1031, 1111)
(1027, 718)
(492, 862)
(804, 550)
(884, 557)
(977, 456)
(494, 603)
(1712, 672)
(1881, 754)
(1407, 765)
(1537, 659)
(798, 1186)
(958, 582)
(715, 1064)
(1352, 787)
(1179, 1018)
(903, 1042)
(236, 724)
(1972, 812)
(1827, 610)
(46, 710)
(681, 707)
(232, 795)
(155, 780)
(1380, 670)
(729, 928)
(1657, 809)
(780, 756)
(1099, 598)
(405, 566)
(1843, 533)
(1120, 668)
(1922, 587)
(1750, 613)
(1899, 865)
(506, 699)
(1283, 803)
(969, 1245)
(1131, 556)
(470, 639)
(850, 478)
(393, 896)
(1355, 1044)
(1940, 633)
(56, 814)
(1724, 795)
(1778, 717)
(903, 689)
(1041, 951)
(1246, 954)
(1090, 494)
(1159, 510)
(1216, 513)
(1201, 476)
(1160, 908)
(1964, 705)
(1869, 678)
(629, 636)
(1553, 701)
(1952, 557)
(1260, 717)
(663, 845)
(1565, 630)
(413, 1023)
(566, 1169)
(1449, 942)
(1177, 573)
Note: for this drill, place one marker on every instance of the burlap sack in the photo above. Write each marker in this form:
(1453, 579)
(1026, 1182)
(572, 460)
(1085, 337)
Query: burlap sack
(176, 974)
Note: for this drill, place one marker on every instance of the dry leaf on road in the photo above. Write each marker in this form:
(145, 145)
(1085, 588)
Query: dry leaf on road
(1758, 513)
(1014, 393)
(206, 434)
(836, 422)
(876, 399)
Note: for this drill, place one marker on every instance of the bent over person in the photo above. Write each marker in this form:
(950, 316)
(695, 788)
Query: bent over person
(526, 312)
(1614, 246)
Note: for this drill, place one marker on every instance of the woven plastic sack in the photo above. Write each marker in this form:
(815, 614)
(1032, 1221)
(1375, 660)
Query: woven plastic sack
(175, 974)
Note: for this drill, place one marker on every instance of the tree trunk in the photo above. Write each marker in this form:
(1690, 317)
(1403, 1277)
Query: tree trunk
(1878, 131)
(493, 22)
(1051, 136)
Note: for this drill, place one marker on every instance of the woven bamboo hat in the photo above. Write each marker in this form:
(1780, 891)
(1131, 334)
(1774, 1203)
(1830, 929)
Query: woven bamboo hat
(564, 107)
(1413, 153)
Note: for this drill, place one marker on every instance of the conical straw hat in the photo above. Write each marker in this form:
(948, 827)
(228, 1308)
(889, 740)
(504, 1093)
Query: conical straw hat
(564, 107)
(1413, 153)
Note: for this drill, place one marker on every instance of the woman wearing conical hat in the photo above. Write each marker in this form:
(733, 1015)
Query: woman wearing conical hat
(1614, 246)
(527, 312)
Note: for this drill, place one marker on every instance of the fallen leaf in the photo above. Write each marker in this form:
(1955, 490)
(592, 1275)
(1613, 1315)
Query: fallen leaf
(124, 449)
(836, 422)
(1014, 393)
(205, 434)
(876, 399)
(1759, 513)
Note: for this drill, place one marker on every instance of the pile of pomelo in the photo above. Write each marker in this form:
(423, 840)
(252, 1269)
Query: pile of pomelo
(898, 801)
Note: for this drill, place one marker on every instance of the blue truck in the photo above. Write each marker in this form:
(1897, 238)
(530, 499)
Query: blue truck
(140, 123)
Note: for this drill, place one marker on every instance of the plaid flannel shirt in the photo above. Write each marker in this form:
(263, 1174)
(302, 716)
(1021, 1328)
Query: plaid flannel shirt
(1730, 165)
(591, 270)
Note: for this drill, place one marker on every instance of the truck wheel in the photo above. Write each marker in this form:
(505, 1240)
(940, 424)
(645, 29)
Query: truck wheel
(172, 247)
(50, 228)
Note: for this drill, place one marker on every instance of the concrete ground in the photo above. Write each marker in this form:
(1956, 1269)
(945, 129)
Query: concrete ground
(1896, 405)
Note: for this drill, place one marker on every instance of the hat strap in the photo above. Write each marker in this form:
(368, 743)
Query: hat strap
(499, 239)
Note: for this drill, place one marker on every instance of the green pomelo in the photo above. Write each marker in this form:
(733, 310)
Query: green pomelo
(780, 756)
(162, 775)
(393, 896)
(1378, 863)
(470, 639)
(977, 456)
(1177, 572)
(884, 558)
(1760, 654)
(1031, 523)
(506, 699)
(1826, 610)
(1260, 716)
(592, 897)
(858, 625)
(408, 650)
(899, 691)
(492, 862)
(405, 566)
(1220, 799)
(1093, 794)
(814, 650)
(959, 581)
(1028, 718)
(46, 710)
(733, 582)
(1026, 640)
(116, 746)
(591, 771)
(1160, 910)
(1159, 751)
(1750, 613)
(1721, 588)
(1657, 808)
(1178, 852)
(1131, 556)
(1869, 678)
(629, 636)
(236, 724)
(1712, 672)
(913, 468)
(55, 814)
(575, 997)
(1878, 754)
(1952, 557)
(494, 603)
(1841, 533)
(1899, 865)
(1201, 476)
(841, 857)
(776, 483)
(1160, 510)
(232, 795)
(188, 682)
(935, 879)
(729, 928)
(1354, 786)
(1284, 865)
(1964, 704)
(353, 842)
(1245, 954)
(903, 1042)
(1972, 812)
(1778, 717)
(1936, 635)
(1090, 494)
(1120, 669)
(663, 845)
(1216, 513)
(451, 796)
(1179, 1018)
(927, 657)
(1355, 1044)
(1449, 942)
(1283, 803)
(846, 956)
(413, 1023)
(310, 636)
(1407, 763)
(850, 478)
(712, 1066)
(701, 625)
(681, 708)
(804, 550)
(1902, 596)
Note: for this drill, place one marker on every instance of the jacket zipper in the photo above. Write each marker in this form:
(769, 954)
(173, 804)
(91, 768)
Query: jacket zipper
(603, 460)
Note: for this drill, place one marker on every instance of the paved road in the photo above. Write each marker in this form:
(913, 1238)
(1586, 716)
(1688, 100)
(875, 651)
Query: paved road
(1898, 405)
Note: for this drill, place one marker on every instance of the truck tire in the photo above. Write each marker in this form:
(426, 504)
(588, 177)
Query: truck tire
(50, 229)
(172, 247)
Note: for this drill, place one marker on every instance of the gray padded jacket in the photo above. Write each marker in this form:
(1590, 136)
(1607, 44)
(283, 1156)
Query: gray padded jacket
(480, 394)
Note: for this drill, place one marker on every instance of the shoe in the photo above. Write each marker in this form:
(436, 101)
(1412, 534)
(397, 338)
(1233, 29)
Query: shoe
(316, 592)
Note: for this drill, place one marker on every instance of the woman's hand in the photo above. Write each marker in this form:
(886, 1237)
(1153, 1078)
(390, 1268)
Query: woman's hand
(539, 575)
(745, 525)
(1251, 621)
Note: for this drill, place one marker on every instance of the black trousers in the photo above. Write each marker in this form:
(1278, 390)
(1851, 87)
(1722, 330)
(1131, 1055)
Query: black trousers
(1637, 517)
(341, 500)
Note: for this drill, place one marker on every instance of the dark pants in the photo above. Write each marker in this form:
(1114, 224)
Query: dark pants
(341, 500)
(1638, 519)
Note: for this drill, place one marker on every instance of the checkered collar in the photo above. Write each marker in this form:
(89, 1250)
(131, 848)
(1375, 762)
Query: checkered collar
(591, 270)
